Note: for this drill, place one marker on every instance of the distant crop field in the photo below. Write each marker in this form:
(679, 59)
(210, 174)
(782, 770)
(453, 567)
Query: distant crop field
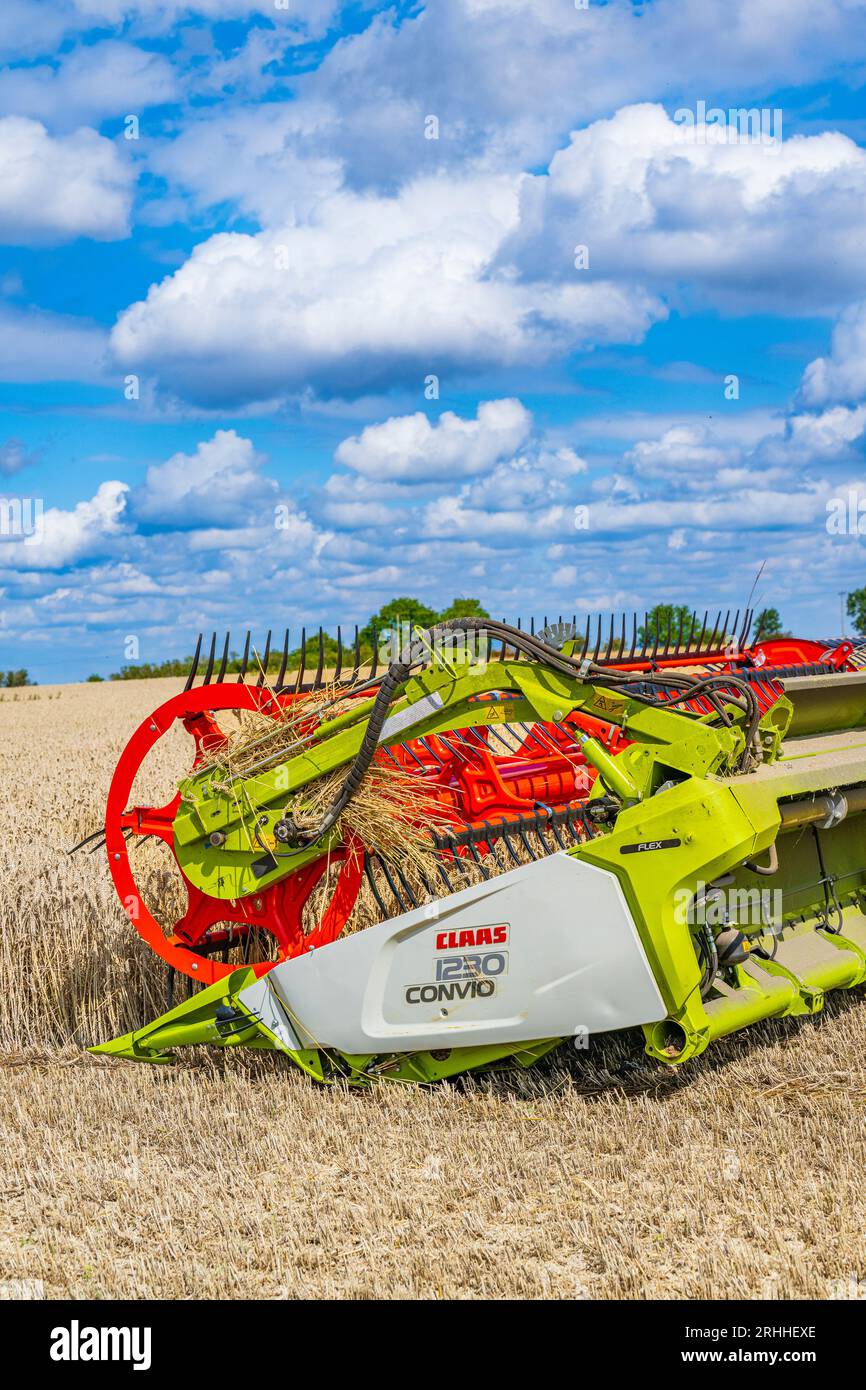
(598, 1175)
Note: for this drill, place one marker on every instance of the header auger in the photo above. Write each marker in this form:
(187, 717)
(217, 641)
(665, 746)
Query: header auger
(499, 839)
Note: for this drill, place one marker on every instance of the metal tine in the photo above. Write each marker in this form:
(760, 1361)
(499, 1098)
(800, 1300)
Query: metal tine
(392, 885)
(526, 845)
(414, 756)
(210, 661)
(339, 666)
(585, 652)
(724, 632)
(633, 634)
(538, 831)
(284, 661)
(263, 673)
(443, 874)
(608, 654)
(656, 643)
(730, 627)
(691, 637)
(194, 667)
(668, 639)
(557, 836)
(368, 860)
(244, 660)
(532, 627)
(374, 660)
(711, 640)
(597, 640)
(703, 630)
(224, 660)
(432, 751)
(405, 885)
(303, 661)
(502, 645)
(747, 623)
(473, 850)
(317, 683)
(509, 846)
(357, 666)
(622, 639)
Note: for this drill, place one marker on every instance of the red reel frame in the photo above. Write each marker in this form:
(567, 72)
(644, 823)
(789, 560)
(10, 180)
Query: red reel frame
(277, 909)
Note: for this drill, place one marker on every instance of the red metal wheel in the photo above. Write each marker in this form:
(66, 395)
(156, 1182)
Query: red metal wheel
(213, 924)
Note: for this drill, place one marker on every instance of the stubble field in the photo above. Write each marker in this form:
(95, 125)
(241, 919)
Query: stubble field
(595, 1176)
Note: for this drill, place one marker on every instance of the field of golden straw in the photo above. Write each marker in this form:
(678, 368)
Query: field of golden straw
(598, 1175)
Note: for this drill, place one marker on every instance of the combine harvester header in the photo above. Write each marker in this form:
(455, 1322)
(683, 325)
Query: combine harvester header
(502, 839)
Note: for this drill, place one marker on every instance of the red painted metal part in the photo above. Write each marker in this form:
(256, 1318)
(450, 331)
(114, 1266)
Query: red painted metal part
(800, 651)
(277, 909)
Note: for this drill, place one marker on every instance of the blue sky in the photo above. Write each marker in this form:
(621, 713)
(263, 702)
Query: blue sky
(218, 336)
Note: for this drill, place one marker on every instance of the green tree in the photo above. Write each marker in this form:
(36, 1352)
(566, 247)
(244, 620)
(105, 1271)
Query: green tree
(464, 608)
(398, 610)
(94, 678)
(15, 678)
(857, 608)
(665, 617)
(767, 624)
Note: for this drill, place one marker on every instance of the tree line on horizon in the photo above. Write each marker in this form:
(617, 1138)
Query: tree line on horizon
(416, 613)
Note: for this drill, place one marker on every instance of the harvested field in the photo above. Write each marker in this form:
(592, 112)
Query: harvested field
(597, 1175)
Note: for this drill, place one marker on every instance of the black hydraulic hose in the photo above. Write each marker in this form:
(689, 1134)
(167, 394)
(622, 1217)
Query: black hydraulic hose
(396, 676)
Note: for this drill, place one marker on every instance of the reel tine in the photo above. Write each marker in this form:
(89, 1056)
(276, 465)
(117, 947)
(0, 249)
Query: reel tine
(609, 651)
(656, 643)
(597, 640)
(691, 637)
(339, 666)
(633, 635)
(585, 647)
(221, 675)
(502, 646)
(284, 661)
(302, 661)
(712, 640)
(703, 629)
(210, 660)
(668, 638)
(735, 630)
(94, 835)
(264, 662)
(194, 667)
(724, 632)
(374, 660)
(747, 624)
(532, 627)
(645, 643)
(622, 638)
(244, 659)
(317, 683)
(357, 658)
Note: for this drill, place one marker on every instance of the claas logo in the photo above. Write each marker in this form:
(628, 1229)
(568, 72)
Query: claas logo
(472, 936)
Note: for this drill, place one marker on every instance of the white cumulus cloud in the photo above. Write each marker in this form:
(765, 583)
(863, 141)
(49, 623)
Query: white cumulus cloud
(55, 188)
(221, 482)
